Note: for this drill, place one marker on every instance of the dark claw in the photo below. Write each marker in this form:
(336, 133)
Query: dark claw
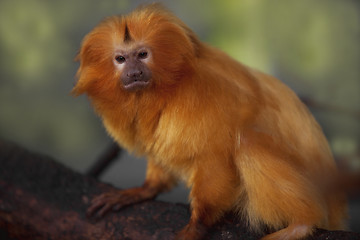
(93, 208)
(104, 209)
(102, 204)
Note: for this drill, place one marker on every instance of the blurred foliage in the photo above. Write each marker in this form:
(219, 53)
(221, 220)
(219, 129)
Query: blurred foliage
(310, 45)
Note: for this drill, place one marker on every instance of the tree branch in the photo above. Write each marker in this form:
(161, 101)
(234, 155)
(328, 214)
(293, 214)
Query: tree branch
(41, 199)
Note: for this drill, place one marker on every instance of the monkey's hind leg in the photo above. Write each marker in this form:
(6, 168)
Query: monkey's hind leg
(279, 192)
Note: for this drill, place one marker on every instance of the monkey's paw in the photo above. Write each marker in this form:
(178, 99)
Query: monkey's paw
(115, 200)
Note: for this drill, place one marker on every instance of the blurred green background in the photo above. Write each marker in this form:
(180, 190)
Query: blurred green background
(311, 45)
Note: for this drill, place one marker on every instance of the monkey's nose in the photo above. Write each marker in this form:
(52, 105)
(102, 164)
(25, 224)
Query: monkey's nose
(135, 79)
(134, 74)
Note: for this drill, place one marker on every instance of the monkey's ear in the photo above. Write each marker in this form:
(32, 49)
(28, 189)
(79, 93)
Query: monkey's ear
(81, 83)
(77, 89)
(83, 75)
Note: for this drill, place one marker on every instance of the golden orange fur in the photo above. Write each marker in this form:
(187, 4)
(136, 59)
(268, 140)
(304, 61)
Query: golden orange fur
(239, 138)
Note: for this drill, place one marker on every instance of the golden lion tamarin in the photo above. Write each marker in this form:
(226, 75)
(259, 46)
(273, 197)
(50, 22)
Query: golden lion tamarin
(240, 139)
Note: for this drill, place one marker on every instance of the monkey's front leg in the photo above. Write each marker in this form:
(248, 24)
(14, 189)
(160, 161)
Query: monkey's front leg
(157, 181)
(213, 193)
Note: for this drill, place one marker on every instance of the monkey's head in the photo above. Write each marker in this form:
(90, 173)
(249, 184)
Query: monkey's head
(149, 49)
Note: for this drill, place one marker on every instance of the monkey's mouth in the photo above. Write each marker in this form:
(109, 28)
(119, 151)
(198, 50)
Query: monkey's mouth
(135, 85)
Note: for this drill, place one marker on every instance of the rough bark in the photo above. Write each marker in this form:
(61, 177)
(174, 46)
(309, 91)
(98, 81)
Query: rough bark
(41, 199)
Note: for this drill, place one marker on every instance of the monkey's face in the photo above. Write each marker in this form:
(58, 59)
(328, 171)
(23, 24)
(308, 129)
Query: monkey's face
(144, 51)
(132, 64)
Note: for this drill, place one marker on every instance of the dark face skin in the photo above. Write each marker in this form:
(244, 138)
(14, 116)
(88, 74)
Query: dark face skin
(135, 74)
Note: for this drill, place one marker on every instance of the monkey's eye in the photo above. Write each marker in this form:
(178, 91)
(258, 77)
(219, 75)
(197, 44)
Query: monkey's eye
(120, 59)
(143, 55)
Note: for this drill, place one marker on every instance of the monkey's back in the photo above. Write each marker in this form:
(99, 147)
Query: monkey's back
(282, 137)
